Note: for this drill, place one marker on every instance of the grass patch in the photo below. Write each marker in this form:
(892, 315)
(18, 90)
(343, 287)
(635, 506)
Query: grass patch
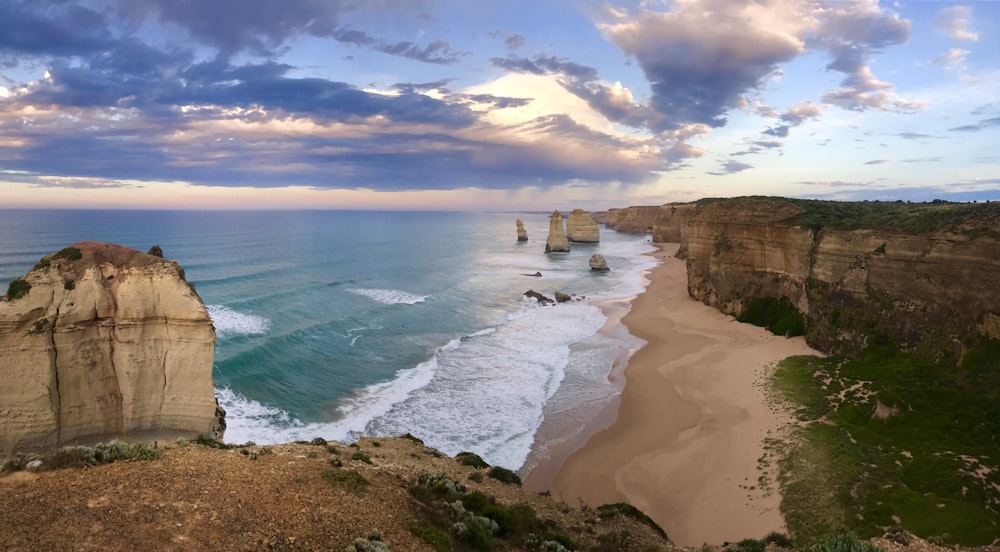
(349, 479)
(471, 459)
(504, 475)
(17, 289)
(361, 457)
(933, 463)
(82, 457)
(68, 253)
(844, 542)
(427, 532)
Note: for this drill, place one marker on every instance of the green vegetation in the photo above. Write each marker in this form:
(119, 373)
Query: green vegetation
(627, 510)
(69, 285)
(373, 542)
(779, 316)
(81, 457)
(889, 435)
(17, 289)
(427, 532)
(504, 475)
(471, 459)
(68, 253)
(844, 542)
(361, 457)
(349, 479)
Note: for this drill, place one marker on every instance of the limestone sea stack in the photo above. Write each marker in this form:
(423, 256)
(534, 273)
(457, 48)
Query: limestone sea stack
(522, 234)
(100, 341)
(557, 240)
(598, 262)
(581, 227)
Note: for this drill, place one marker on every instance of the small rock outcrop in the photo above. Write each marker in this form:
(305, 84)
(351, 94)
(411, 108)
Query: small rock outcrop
(100, 341)
(581, 227)
(522, 234)
(562, 297)
(557, 241)
(542, 300)
(598, 262)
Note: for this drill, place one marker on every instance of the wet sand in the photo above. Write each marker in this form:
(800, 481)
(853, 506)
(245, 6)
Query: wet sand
(690, 424)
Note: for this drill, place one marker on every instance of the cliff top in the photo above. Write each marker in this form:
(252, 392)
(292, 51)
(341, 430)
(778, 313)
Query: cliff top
(972, 220)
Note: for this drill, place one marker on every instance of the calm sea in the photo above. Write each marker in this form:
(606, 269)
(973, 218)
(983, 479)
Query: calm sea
(347, 323)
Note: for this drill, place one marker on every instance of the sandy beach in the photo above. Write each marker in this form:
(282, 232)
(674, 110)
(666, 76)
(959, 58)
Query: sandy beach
(691, 421)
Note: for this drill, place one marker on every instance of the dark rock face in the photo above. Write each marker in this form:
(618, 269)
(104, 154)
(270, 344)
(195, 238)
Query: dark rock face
(542, 300)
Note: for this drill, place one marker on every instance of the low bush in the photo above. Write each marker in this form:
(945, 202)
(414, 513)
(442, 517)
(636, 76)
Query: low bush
(69, 253)
(349, 479)
(471, 459)
(362, 457)
(627, 510)
(374, 542)
(17, 289)
(504, 475)
(844, 542)
(427, 532)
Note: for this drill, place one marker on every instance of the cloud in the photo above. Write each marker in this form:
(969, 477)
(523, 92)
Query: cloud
(851, 32)
(954, 21)
(923, 160)
(438, 52)
(953, 60)
(514, 42)
(44, 28)
(981, 125)
(703, 56)
(914, 136)
(877, 162)
(731, 167)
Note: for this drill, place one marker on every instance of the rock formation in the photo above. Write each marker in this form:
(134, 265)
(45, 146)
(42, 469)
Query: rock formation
(522, 234)
(557, 240)
(926, 290)
(580, 227)
(99, 341)
(598, 262)
(632, 220)
(562, 297)
(542, 300)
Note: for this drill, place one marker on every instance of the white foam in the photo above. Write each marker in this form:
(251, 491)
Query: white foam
(229, 322)
(390, 296)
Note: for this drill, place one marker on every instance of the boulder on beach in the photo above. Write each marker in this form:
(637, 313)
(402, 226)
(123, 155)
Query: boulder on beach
(557, 241)
(562, 297)
(598, 262)
(522, 234)
(542, 300)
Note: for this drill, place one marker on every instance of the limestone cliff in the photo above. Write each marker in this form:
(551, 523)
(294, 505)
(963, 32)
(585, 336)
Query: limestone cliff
(522, 234)
(100, 340)
(633, 220)
(927, 278)
(557, 240)
(581, 228)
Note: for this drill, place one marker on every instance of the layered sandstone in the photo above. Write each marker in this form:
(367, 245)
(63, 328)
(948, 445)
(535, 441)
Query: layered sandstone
(106, 342)
(522, 234)
(926, 291)
(581, 228)
(633, 220)
(557, 240)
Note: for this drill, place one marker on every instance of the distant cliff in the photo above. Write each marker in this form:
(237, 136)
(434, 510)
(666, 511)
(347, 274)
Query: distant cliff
(100, 340)
(633, 220)
(925, 276)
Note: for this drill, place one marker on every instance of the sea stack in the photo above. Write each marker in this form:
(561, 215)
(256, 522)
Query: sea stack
(581, 227)
(598, 262)
(557, 234)
(522, 234)
(100, 341)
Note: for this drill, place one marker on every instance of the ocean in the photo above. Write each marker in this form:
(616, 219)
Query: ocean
(342, 324)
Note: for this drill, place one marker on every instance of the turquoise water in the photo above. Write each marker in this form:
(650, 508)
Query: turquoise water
(342, 324)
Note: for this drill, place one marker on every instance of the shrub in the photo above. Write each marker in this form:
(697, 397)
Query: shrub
(155, 251)
(471, 459)
(69, 285)
(779, 316)
(318, 441)
(844, 542)
(69, 253)
(778, 539)
(748, 545)
(349, 479)
(361, 456)
(427, 532)
(627, 510)
(440, 483)
(374, 542)
(410, 437)
(504, 475)
(476, 476)
(208, 441)
(17, 289)
(115, 451)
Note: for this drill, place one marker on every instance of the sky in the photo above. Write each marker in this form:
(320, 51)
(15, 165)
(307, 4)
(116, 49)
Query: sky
(469, 104)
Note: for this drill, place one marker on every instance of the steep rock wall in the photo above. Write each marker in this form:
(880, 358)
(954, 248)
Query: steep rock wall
(926, 292)
(557, 241)
(107, 342)
(634, 220)
(581, 228)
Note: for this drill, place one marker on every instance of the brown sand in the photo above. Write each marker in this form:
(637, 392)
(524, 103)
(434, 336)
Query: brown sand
(692, 419)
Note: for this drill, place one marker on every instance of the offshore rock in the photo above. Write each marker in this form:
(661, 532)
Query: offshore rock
(542, 300)
(598, 262)
(522, 234)
(580, 227)
(557, 240)
(562, 297)
(104, 341)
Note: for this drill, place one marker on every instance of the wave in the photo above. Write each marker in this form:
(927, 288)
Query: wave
(229, 322)
(390, 296)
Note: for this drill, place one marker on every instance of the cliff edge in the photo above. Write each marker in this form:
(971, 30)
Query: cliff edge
(98, 341)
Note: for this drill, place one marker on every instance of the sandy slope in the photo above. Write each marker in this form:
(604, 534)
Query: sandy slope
(685, 445)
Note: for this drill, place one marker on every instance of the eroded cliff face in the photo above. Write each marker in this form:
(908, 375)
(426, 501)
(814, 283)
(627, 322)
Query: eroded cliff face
(928, 293)
(581, 227)
(108, 341)
(634, 220)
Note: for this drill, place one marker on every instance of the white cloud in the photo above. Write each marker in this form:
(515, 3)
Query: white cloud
(954, 20)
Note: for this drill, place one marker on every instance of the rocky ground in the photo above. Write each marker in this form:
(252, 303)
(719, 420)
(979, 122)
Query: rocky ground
(288, 497)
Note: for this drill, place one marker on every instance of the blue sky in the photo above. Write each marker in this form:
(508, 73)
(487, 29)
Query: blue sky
(501, 105)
